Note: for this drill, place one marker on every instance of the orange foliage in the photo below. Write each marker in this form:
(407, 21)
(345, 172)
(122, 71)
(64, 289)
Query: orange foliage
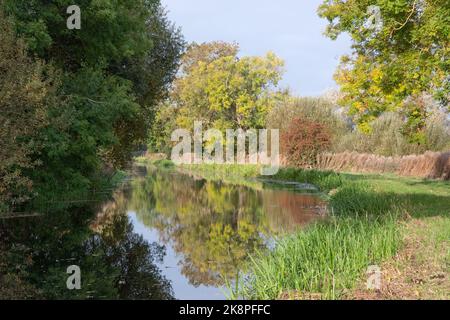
(303, 141)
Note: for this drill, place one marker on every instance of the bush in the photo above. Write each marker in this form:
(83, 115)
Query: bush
(303, 141)
(386, 137)
(319, 110)
(25, 89)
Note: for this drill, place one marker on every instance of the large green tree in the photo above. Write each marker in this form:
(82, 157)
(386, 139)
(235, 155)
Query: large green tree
(227, 91)
(113, 72)
(400, 51)
(26, 88)
(221, 89)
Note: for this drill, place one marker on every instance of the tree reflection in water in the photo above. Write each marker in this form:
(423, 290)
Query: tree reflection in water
(115, 262)
(212, 226)
(215, 226)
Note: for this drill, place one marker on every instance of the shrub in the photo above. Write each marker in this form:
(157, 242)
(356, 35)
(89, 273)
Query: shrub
(303, 141)
(386, 137)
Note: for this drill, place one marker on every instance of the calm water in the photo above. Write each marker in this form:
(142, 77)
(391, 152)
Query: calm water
(164, 235)
(209, 228)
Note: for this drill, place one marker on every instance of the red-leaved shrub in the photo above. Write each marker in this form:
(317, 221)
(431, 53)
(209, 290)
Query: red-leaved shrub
(303, 141)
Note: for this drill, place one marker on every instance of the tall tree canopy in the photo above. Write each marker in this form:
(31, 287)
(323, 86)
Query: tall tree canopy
(113, 72)
(226, 91)
(25, 91)
(395, 62)
(221, 89)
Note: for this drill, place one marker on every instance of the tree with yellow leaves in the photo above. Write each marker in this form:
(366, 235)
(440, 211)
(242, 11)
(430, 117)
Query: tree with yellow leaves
(395, 62)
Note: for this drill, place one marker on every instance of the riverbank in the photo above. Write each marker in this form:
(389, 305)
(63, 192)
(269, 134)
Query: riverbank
(375, 220)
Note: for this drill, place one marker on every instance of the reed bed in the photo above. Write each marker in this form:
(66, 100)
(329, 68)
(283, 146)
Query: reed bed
(430, 165)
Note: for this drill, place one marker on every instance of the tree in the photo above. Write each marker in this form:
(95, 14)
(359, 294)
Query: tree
(206, 52)
(25, 89)
(114, 71)
(395, 62)
(223, 90)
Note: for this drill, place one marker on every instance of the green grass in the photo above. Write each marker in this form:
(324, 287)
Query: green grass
(331, 258)
(225, 172)
(162, 163)
(324, 180)
(360, 199)
(327, 258)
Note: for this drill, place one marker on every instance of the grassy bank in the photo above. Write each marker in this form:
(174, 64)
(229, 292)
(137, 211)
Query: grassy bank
(370, 225)
(324, 260)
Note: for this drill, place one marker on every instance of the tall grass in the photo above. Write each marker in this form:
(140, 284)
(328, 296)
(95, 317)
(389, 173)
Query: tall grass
(330, 256)
(226, 170)
(327, 258)
(356, 199)
(324, 180)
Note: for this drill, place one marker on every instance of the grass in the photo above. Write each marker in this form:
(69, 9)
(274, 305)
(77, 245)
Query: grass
(420, 269)
(324, 180)
(225, 172)
(161, 163)
(370, 224)
(328, 258)
(325, 259)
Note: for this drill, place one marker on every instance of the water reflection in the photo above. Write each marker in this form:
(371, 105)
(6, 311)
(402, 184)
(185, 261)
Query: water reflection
(115, 262)
(166, 235)
(212, 226)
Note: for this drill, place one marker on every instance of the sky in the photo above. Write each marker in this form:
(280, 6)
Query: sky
(290, 28)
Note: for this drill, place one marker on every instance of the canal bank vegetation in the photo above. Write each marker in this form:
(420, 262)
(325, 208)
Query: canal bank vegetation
(75, 105)
(77, 102)
(372, 221)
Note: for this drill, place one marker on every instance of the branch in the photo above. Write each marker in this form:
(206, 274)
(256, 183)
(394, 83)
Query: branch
(402, 25)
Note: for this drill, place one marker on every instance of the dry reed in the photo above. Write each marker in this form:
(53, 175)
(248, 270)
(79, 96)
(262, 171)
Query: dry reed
(430, 165)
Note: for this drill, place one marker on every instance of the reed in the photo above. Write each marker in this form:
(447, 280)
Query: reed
(430, 165)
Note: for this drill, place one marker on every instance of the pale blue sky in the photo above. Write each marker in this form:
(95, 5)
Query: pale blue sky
(290, 28)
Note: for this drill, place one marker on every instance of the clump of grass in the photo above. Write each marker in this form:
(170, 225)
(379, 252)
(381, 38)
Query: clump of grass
(325, 259)
(330, 256)
(324, 180)
(359, 199)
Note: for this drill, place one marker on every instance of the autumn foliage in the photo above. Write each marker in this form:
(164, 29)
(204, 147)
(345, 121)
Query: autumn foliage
(303, 141)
